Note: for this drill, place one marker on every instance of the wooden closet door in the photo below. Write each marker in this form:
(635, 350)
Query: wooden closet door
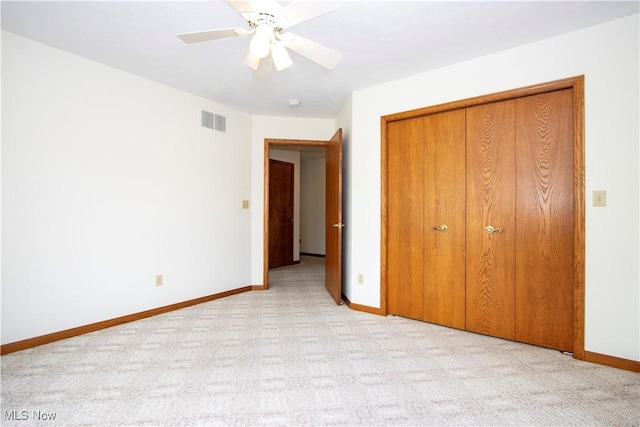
(544, 205)
(444, 205)
(405, 218)
(490, 297)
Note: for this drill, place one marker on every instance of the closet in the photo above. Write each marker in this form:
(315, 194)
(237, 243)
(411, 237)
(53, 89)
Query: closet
(480, 218)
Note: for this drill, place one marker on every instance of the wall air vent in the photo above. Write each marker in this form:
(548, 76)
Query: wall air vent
(207, 119)
(213, 121)
(220, 123)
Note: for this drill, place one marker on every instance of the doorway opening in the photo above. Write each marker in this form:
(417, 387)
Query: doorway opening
(333, 206)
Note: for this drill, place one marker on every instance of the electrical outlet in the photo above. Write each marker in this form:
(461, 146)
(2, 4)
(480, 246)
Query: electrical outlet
(600, 199)
(159, 280)
(360, 279)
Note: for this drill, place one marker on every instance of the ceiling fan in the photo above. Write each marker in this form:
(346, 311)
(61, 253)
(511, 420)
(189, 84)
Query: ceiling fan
(268, 21)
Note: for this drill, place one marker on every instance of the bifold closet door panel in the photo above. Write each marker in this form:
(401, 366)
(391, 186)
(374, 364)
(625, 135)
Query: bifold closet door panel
(544, 206)
(405, 218)
(490, 296)
(444, 213)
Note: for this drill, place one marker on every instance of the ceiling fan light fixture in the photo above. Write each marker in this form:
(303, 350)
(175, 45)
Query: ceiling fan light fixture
(251, 61)
(261, 41)
(267, 20)
(281, 58)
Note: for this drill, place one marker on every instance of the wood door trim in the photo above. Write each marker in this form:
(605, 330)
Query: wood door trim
(268, 142)
(577, 84)
(568, 83)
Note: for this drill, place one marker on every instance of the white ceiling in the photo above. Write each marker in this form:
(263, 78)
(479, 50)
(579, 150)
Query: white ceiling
(380, 40)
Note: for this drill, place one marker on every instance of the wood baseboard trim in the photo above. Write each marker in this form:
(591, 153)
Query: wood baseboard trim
(363, 308)
(80, 330)
(614, 362)
(602, 359)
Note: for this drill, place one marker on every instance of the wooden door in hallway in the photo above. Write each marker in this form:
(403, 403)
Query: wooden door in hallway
(280, 213)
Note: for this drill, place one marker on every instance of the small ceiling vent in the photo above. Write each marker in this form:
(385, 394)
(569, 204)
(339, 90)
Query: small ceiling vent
(213, 121)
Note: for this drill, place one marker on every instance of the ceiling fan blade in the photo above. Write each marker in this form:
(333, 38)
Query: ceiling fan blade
(300, 11)
(316, 52)
(255, 6)
(203, 36)
(266, 6)
(240, 6)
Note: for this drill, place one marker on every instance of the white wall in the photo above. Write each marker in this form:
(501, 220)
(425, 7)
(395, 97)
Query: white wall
(292, 157)
(268, 127)
(608, 57)
(313, 206)
(107, 181)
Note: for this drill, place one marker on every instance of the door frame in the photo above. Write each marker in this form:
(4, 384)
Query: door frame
(268, 143)
(577, 84)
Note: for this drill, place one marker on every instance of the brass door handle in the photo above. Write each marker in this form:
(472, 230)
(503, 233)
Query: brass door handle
(490, 230)
(442, 228)
(338, 225)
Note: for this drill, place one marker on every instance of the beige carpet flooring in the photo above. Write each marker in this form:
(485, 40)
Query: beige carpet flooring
(290, 356)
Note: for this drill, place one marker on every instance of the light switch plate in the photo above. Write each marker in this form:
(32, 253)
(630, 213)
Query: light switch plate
(245, 204)
(599, 199)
